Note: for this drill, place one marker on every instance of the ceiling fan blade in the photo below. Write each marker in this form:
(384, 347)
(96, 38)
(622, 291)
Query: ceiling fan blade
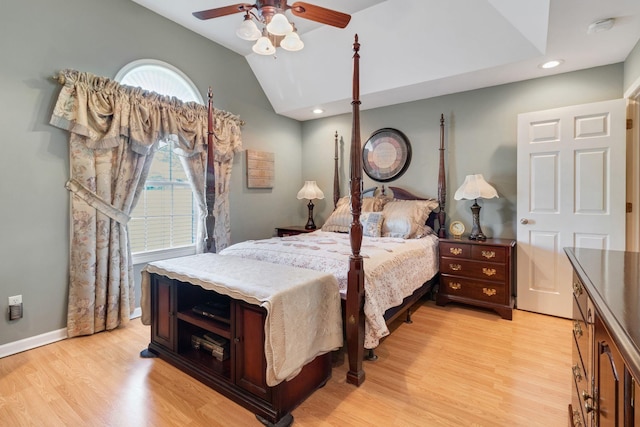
(320, 14)
(223, 11)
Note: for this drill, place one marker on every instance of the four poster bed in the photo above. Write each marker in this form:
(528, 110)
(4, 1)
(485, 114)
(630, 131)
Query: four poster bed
(364, 319)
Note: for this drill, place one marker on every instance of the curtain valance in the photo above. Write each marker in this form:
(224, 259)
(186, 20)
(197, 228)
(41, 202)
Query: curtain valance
(103, 110)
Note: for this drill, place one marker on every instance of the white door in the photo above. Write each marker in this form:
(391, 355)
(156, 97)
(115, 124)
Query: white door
(571, 193)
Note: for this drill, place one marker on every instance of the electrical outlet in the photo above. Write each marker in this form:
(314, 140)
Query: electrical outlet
(15, 300)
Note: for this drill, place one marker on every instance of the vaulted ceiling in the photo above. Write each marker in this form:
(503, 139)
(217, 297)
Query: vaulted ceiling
(416, 49)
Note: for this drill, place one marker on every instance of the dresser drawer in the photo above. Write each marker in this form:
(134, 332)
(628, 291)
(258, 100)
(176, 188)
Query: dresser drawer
(581, 383)
(473, 289)
(475, 269)
(580, 334)
(576, 417)
(489, 253)
(580, 295)
(455, 250)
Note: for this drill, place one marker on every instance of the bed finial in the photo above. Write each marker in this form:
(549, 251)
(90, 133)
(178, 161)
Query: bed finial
(356, 74)
(210, 185)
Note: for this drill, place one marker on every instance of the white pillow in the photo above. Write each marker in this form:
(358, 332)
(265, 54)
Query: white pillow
(406, 218)
(372, 223)
(340, 219)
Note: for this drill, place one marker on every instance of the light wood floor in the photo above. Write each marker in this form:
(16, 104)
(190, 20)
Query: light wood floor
(454, 366)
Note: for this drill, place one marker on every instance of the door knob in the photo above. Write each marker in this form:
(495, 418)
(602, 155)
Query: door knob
(524, 221)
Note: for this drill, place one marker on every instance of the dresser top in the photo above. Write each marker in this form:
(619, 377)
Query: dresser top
(612, 280)
(489, 241)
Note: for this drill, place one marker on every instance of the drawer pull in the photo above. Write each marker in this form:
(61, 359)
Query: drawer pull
(577, 288)
(455, 251)
(577, 329)
(576, 372)
(577, 419)
(489, 271)
(489, 291)
(455, 286)
(489, 254)
(455, 267)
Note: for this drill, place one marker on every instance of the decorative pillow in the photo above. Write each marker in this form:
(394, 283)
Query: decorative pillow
(406, 218)
(340, 219)
(372, 223)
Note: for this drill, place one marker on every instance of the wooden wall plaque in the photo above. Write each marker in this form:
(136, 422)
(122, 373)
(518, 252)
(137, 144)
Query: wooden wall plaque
(260, 169)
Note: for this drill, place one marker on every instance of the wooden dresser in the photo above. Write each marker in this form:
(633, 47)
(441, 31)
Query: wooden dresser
(478, 273)
(606, 335)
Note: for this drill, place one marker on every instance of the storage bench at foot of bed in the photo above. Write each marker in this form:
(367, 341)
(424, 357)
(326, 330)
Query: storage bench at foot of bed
(235, 364)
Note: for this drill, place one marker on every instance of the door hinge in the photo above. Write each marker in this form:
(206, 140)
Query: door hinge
(629, 207)
(629, 124)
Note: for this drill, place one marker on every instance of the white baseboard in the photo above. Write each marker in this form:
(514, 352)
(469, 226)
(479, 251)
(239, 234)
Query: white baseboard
(43, 339)
(32, 342)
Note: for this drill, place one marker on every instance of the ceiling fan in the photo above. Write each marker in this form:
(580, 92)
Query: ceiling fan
(267, 9)
(276, 31)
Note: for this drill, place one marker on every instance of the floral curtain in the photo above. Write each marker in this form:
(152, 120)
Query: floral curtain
(114, 131)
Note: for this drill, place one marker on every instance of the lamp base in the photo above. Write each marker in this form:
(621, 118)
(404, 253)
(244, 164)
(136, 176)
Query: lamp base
(476, 231)
(310, 224)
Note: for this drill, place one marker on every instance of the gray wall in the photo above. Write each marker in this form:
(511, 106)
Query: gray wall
(480, 137)
(632, 67)
(40, 37)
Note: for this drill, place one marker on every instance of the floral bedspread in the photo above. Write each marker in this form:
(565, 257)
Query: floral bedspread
(393, 267)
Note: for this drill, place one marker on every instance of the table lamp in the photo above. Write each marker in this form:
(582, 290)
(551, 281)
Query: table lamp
(475, 187)
(310, 191)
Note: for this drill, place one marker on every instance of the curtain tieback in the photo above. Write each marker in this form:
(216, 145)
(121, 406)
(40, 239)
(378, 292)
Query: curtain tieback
(97, 202)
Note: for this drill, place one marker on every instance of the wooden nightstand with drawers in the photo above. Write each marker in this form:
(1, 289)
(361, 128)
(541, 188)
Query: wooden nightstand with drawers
(292, 230)
(478, 273)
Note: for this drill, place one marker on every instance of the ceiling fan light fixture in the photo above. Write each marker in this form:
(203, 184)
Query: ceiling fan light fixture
(292, 42)
(264, 46)
(266, 23)
(279, 25)
(248, 30)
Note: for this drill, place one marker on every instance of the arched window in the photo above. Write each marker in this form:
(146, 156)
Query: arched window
(163, 222)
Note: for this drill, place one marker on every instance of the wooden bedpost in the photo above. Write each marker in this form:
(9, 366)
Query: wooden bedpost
(354, 315)
(442, 185)
(210, 184)
(336, 177)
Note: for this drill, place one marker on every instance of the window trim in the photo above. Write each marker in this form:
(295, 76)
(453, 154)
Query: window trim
(160, 254)
(156, 62)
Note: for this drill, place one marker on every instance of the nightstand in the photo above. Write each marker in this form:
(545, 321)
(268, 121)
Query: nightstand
(292, 230)
(478, 273)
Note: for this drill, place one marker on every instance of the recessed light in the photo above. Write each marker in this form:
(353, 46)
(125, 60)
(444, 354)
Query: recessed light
(318, 111)
(551, 64)
(601, 25)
